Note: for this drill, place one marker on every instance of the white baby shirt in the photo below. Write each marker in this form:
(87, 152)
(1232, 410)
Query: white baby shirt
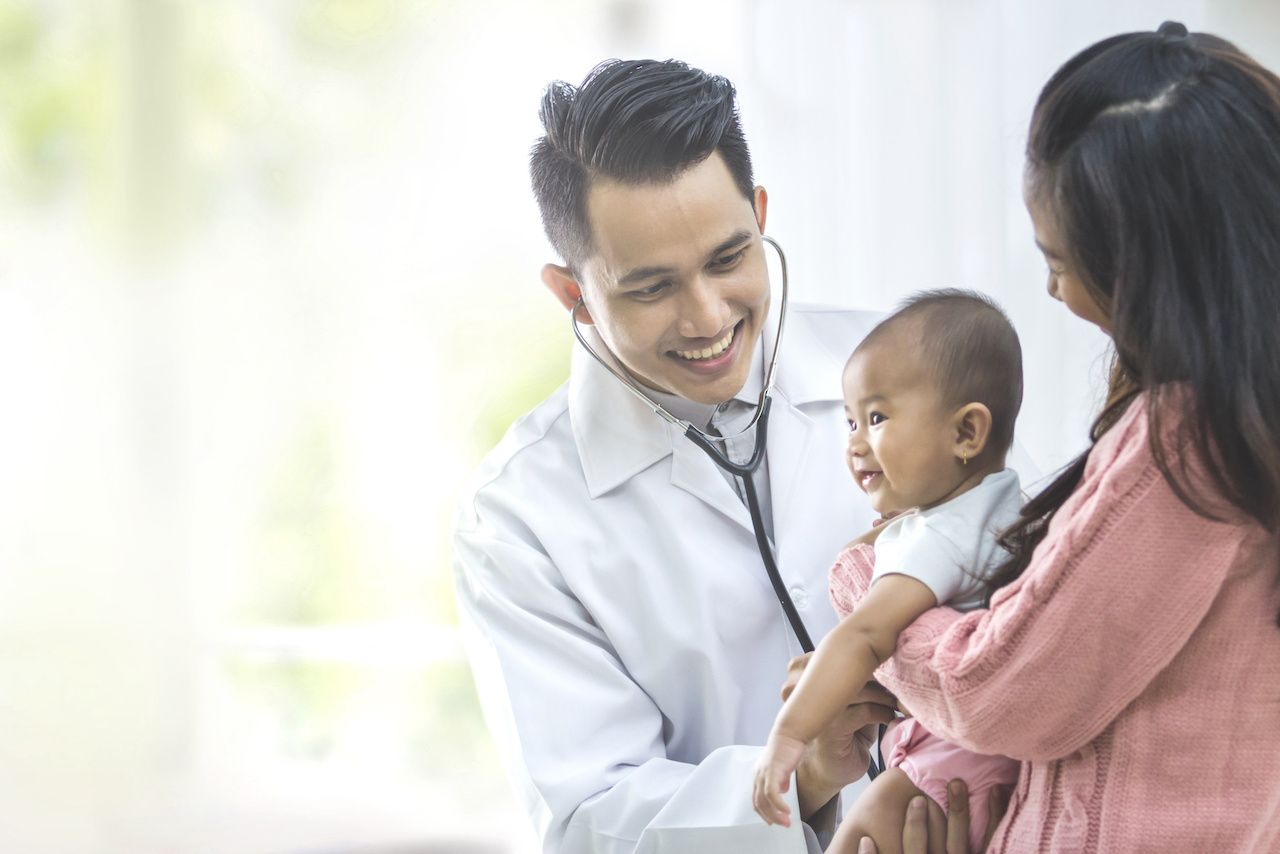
(952, 547)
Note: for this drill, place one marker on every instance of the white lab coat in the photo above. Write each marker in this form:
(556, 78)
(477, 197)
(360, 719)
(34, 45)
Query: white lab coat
(626, 643)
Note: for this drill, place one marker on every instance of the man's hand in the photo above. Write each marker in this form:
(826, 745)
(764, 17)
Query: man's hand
(840, 754)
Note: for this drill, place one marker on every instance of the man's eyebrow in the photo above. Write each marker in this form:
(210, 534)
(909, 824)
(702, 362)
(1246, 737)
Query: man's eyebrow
(737, 237)
(640, 273)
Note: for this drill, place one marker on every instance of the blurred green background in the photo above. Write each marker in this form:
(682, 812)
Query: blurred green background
(241, 243)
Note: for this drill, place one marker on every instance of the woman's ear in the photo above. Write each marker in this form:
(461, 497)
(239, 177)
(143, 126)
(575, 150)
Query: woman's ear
(972, 430)
(561, 281)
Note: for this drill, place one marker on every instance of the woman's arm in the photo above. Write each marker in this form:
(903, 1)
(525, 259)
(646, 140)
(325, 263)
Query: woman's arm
(1112, 594)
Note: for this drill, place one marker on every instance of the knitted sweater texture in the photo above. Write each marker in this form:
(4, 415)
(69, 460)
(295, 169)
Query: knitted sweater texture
(1134, 669)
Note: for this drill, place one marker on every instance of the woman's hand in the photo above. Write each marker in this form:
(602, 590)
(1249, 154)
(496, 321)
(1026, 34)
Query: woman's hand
(915, 831)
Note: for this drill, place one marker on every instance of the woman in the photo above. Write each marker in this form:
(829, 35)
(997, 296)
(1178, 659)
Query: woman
(1131, 656)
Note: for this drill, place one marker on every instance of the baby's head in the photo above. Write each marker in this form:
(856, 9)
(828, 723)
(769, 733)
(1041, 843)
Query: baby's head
(931, 396)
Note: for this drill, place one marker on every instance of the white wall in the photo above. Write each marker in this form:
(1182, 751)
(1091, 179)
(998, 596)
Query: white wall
(890, 135)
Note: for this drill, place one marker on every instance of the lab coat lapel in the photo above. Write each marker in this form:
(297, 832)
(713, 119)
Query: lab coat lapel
(616, 434)
(789, 456)
(808, 374)
(618, 437)
(693, 471)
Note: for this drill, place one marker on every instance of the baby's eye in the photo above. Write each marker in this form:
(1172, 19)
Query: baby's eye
(853, 425)
(876, 418)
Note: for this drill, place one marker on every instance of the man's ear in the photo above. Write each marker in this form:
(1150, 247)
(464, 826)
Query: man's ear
(762, 206)
(561, 282)
(972, 430)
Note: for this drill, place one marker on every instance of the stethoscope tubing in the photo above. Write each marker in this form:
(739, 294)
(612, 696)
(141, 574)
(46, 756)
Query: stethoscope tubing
(743, 471)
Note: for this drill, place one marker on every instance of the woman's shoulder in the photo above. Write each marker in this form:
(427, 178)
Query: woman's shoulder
(1130, 432)
(1156, 438)
(1167, 409)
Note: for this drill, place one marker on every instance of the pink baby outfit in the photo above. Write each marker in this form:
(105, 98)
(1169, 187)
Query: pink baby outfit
(928, 761)
(1134, 668)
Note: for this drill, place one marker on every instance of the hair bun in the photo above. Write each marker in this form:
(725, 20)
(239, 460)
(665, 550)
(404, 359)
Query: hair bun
(1172, 30)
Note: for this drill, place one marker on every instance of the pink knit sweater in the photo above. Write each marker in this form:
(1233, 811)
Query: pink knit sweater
(1134, 668)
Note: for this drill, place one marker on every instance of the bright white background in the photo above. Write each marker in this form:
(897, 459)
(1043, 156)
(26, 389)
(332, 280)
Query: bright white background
(268, 290)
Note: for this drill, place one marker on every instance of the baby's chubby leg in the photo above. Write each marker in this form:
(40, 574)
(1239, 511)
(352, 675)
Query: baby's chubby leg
(881, 812)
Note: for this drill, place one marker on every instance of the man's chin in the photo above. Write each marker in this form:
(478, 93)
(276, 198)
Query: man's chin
(711, 391)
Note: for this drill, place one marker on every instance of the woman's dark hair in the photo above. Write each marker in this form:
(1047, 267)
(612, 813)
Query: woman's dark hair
(1158, 154)
(634, 121)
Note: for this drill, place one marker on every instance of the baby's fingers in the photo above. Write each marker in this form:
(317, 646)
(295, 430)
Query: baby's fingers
(769, 803)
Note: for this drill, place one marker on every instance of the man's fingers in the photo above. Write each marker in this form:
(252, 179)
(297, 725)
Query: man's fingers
(957, 817)
(997, 806)
(915, 832)
(873, 692)
(860, 714)
(794, 669)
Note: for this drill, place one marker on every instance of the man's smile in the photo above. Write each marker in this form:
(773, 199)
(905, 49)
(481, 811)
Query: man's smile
(709, 352)
(714, 358)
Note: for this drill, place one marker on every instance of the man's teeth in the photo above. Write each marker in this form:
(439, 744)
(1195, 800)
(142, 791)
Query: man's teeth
(710, 352)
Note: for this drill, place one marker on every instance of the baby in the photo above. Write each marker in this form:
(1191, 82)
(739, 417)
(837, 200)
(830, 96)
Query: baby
(931, 396)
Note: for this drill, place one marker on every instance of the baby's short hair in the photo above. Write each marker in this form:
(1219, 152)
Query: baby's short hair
(969, 348)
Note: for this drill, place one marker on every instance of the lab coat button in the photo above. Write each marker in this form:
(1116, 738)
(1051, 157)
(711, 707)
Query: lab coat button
(799, 596)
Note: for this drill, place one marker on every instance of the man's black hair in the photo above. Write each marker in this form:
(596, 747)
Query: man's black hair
(632, 121)
(970, 350)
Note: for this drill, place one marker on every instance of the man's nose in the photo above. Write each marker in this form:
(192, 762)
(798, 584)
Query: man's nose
(704, 312)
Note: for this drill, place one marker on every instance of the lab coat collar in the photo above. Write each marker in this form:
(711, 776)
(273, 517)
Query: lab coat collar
(618, 436)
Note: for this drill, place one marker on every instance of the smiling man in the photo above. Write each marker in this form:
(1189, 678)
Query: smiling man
(626, 642)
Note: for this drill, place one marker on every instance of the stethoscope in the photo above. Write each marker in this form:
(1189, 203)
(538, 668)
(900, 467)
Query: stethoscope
(744, 471)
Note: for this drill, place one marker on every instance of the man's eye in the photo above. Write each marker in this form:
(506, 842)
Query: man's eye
(652, 290)
(724, 262)
(875, 418)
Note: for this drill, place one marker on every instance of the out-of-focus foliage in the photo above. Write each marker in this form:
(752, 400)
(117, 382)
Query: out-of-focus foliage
(53, 98)
(307, 567)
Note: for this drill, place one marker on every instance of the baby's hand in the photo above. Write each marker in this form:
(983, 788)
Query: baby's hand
(773, 778)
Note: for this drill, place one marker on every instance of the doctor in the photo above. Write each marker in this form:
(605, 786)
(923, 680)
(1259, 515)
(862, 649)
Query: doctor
(626, 642)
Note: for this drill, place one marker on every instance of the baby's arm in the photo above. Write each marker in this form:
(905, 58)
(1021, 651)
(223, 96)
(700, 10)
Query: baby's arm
(843, 662)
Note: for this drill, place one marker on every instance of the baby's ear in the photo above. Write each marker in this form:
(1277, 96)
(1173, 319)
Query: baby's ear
(972, 430)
